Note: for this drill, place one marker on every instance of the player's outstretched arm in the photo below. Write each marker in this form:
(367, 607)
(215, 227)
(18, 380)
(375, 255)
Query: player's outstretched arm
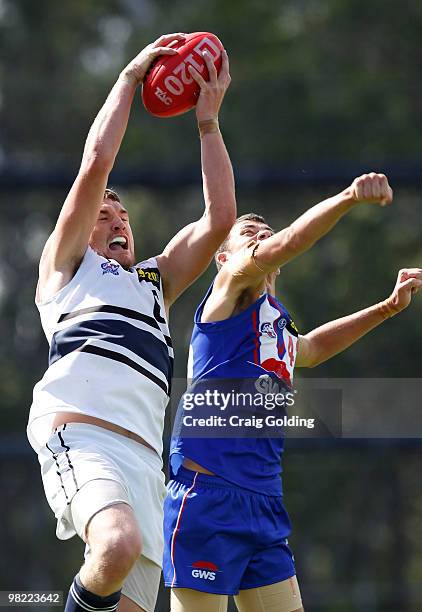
(326, 341)
(189, 253)
(302, 234)
(67, 244)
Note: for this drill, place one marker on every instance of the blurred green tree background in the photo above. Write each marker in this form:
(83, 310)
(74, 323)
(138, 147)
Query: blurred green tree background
(322, 90)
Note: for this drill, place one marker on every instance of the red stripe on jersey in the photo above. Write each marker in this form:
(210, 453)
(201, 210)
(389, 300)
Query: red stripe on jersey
(280, 347)
(256, 339)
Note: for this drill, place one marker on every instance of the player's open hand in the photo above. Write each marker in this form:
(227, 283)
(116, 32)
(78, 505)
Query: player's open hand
(139, 66)
(372, 188)
(212, 91)
(409, 281)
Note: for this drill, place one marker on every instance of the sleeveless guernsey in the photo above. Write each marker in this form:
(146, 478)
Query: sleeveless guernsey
(111, 355)
(260, 340)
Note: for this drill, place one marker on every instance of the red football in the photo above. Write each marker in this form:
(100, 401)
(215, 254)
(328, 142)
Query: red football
(169, 88)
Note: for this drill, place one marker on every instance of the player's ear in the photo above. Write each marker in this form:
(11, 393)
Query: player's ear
(221, 257)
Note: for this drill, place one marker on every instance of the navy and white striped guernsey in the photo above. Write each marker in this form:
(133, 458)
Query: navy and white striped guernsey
(111, 354)
(261, 340)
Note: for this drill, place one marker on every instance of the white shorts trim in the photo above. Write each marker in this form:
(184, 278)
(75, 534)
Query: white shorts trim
(94, 496)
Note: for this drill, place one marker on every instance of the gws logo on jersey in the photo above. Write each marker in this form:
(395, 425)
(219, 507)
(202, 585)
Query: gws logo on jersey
(267, 329)
(111, 268)
(204, 569)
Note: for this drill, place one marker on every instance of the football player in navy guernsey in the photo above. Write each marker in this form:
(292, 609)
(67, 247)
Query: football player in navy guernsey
(225, 525)
(96, 420)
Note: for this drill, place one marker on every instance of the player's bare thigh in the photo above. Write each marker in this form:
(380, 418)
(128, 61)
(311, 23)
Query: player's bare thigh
(189, 600)
(282, 596)
(279, 597)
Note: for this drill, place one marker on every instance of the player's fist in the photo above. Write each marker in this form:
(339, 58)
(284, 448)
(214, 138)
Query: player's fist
(372, 188)
(409, 281)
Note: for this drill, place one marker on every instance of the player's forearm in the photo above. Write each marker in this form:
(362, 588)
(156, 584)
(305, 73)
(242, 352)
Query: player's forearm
(334, 337)
(218, 181)
(107, 131)
(302, 234)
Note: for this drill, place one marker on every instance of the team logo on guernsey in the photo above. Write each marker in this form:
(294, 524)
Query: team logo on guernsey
(267, 329)
(204, 569)
(110, 268)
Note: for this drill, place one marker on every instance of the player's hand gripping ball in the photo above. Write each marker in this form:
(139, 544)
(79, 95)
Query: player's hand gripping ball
(169, 88)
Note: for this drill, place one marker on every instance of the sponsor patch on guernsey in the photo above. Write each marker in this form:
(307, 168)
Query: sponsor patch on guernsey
(291, 327)
(150, 275)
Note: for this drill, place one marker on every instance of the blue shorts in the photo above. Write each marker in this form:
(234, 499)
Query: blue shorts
(220, 538)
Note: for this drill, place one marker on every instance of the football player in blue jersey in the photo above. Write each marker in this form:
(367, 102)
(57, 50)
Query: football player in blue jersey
(97, 417)
(225, 525)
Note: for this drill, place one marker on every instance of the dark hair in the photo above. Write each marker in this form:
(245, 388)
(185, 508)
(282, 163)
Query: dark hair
(225, 245)
(111, 195)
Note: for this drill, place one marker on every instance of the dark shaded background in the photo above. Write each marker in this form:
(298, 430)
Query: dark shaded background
(322, 91)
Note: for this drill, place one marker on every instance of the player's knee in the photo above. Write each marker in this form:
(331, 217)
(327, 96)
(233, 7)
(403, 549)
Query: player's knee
(115, 540)
(119, 550)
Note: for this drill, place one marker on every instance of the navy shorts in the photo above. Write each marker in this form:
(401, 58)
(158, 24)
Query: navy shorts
(220, 538)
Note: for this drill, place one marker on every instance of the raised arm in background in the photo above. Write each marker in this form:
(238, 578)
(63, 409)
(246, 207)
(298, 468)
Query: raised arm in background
(302, 234)
(264, 252)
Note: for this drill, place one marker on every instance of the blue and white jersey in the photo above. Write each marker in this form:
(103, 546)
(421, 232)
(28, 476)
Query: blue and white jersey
(260, 340)
(111, 355)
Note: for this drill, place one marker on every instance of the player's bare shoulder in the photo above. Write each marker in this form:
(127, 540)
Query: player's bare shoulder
(52, 278)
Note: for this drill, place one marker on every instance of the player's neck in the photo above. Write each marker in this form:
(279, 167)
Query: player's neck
(251, 295)
(266, 286)
(269, 284)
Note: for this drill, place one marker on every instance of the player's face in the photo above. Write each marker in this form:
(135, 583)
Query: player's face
(112, 235)
(243, 233)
